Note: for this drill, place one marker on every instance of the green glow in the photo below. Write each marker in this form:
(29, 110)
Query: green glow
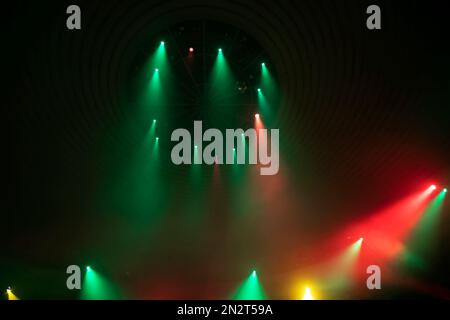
(155, 93)
(160, 59)
(156, 150)
(263, 104)
(342, 268)
(348, 258)
(251, 289)
(268, 97)
(158, 85)
(422, 241)
(96, 287)
(222, 92)
(267, 81)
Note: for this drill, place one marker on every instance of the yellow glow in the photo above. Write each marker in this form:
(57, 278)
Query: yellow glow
(11, 295)
(308, 295)
(304, 290)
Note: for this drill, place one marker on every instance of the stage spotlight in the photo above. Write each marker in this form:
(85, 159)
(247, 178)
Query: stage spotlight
(259, 89)
(251, 289)
(157, 138)
(307, 295)
(156, 70)
(88, 268)
(433, 187)
(154, 120)
(445, 190)
(220, 50)
(361, 239)
(10, 294)
(191, 49)
(162, 43)
(257, 116)
(263, 64)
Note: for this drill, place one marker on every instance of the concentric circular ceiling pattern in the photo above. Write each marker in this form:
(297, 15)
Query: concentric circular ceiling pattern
(360, 118)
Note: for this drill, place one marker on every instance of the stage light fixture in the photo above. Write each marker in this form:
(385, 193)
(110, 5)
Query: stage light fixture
(191, 49)
(445, 190)
(257, 116)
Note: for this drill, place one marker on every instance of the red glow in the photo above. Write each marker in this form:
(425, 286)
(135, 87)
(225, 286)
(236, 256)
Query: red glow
(384, 233)
(258, 123)
(191, 49)
(386, 230)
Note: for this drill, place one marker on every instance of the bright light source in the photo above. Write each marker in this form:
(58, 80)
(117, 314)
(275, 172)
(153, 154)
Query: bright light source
(445, 190)
(257, 116)
(307, 295)
(154, 120)
(10, 294)
(220, 49)
(162, 43)
(259, 89)
(433, 187)
(156, 70)
(263, 64)
(157, 138)
(88, 268)
(254, 273)
(191, 49)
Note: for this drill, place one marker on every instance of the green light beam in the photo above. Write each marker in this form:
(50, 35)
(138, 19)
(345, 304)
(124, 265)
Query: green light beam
(96, 287)
(422, 239)
(251, 289)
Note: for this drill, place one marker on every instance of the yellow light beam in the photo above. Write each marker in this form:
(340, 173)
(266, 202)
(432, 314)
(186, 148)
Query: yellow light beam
(11, 295)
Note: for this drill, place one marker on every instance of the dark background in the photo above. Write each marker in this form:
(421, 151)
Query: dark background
(364, 121)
